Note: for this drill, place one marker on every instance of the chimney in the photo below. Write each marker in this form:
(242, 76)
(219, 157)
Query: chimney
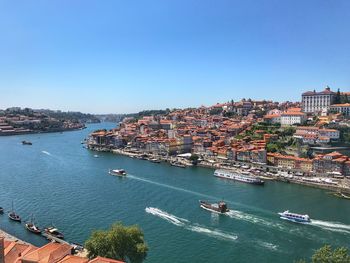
(2, 250)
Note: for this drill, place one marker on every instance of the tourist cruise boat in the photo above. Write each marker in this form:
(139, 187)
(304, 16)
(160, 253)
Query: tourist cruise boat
(238, 177)
(219, 207)
(295, 217)
(117, 172)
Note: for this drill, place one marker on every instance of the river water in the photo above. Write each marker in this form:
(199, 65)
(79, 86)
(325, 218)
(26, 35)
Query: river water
(60, 182)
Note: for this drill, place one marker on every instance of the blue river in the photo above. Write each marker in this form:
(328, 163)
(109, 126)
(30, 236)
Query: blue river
(62, 183)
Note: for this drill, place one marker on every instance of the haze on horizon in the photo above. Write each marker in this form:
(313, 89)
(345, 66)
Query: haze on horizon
(126, 56)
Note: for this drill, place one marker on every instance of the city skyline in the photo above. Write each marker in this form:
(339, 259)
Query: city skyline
(126, 57)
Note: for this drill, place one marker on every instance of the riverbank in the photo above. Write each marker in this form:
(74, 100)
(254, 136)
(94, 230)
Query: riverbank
(10, 237)
(258, 170)
(14, 133)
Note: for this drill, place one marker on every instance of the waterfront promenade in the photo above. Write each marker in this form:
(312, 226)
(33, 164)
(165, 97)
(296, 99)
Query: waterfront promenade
(317, 181)
(10, 237)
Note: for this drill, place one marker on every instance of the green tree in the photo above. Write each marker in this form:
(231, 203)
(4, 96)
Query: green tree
(119, 242)
(272, 147)
(327, 255)
(337, 98)
(194, 158)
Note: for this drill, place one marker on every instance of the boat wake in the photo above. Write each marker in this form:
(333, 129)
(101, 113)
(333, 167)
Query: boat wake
(332, 226)
(268, 245)
(178, 221)
(47, 153)
(168, 217)
(254, 219)
(170, 186)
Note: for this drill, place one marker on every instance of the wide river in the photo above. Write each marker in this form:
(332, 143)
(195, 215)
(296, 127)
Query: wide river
(60, 182)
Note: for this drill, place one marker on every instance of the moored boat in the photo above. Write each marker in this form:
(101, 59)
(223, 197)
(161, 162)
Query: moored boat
(238, 177)
(177, 164)
(1, 210)
(295, 217)
(26, 143)
(117, 172)
(155, 160)
(219, 207)
(13, 216)
(52, 231)
(30, 226)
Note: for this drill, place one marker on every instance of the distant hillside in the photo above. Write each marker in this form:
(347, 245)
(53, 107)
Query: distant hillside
(119, 117)
(72, 116)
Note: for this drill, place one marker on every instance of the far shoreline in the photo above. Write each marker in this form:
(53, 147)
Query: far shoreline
(42, 132)
(335, 188)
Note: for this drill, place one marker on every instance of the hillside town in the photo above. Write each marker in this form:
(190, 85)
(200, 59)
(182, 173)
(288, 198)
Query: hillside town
(15, 121)
(310, 137)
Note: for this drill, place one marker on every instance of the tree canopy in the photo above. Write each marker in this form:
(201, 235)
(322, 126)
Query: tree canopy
(328, 255)
(119, 242)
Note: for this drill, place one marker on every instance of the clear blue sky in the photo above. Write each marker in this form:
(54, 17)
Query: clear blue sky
(124, 56)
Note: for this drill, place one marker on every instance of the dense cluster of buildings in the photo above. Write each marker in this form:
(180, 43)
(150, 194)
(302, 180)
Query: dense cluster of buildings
(220, 132)
(19, 252)
(315, 135)
(331, 164)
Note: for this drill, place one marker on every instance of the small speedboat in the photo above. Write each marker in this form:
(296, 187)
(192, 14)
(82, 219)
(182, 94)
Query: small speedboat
(13, 216)
(96, 156)
(297, 218)
(52, 231)
(26, 143)
(117, 172)
(1, 210)
(220, 207)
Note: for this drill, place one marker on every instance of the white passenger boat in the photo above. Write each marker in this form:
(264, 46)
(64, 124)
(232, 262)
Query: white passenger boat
(295, 217)
(117, 172)
(238, 177)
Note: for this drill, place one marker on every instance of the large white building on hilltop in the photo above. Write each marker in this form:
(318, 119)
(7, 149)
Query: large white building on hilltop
(313, 102)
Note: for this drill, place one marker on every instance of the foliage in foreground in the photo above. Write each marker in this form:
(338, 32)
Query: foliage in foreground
(327, 255)
(119, 242)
